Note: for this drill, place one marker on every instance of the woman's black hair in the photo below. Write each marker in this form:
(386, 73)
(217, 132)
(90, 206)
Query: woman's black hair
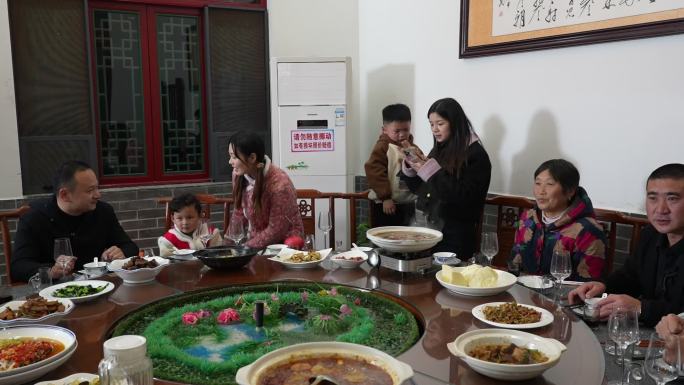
(245, 144)
(563, 172)
(185, 200)
(453, 153)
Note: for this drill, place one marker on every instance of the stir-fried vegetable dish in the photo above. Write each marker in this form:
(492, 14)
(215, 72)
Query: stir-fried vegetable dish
(511, 313)
(71, 291)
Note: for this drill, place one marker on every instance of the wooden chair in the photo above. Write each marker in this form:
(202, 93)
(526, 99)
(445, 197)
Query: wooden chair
(610, 219)
(509, 209)
(306, 200)
(5, 217)
(207, 201)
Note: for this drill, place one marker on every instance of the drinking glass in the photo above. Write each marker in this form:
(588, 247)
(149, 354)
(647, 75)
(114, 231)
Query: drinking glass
(309, 242)
(489, 245)
(325, 225)
(62, 248)
(623, 329)
(663, 358)
(41, 279)
(205, 233)
(236, 231)
(561, 267)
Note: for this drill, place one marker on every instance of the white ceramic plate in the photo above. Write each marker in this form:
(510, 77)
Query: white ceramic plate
(50, 319)
(504, 282)
(29, 372)
(47, 292)
(68, 380)
(469, 340)
(546, 317)
(534, 282)
(146, 274)
(285, 254)
(343, 259)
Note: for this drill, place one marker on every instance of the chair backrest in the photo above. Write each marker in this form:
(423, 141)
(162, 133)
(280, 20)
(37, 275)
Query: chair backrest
(207, 201)
(508, 211)
(306, 200)
(610, 219)
(5, 217)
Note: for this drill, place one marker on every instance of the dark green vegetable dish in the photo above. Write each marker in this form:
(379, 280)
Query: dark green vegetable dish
(204, 337)
(71, 291)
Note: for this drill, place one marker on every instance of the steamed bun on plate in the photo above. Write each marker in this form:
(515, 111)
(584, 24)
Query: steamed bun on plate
(472, 276)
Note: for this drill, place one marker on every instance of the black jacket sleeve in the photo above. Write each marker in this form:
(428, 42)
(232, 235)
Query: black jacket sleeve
(27, 255)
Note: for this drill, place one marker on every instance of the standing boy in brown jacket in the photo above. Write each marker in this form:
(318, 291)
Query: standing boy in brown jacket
(393, 202)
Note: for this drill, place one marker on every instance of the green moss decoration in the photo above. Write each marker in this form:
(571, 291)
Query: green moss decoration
(327, 312)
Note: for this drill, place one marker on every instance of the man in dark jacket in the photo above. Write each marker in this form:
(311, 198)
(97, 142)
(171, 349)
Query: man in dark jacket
(652, 280)
(74, 212)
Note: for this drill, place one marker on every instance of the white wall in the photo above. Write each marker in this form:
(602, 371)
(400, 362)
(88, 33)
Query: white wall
(10, 170)
(614, 109)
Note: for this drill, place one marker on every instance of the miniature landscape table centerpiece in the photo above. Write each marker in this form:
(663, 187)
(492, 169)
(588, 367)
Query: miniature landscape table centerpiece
(204, 337)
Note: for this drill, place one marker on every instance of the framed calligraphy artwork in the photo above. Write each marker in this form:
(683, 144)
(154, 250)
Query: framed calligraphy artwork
(492, 27)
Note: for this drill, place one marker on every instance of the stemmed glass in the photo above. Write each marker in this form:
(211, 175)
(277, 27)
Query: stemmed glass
(325, 225)
(236, 231)
(561, 267)
(205, 234)
(623, 329)
(62, 248)
(663, 358)
(489, 245)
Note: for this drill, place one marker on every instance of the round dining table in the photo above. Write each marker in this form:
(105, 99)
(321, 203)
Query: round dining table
(443, 314)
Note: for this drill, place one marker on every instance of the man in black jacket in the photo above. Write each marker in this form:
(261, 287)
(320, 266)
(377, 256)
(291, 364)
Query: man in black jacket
(652, 280)
(74, 212)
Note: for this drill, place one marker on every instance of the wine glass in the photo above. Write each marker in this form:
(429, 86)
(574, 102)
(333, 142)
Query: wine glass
(561, 267)
(325, 225)
(489, 245)
(623, 329)
(61, 248)
(205, 233)
(236, 231)
(663, 358)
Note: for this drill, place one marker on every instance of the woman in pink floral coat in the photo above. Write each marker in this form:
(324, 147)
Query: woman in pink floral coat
(265, 198)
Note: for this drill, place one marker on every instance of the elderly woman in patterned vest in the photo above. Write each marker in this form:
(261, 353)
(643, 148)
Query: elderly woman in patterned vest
(563, 218)
(264, 195)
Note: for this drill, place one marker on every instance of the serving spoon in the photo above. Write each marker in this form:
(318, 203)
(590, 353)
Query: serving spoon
(321, 380)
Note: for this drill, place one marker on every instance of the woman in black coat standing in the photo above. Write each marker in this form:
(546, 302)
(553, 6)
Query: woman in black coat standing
(452, 181)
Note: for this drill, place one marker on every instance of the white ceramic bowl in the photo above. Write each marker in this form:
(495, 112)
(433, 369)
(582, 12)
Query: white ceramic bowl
(95, 268)
(138, 275)
(398, 370)
(27, 373)
(50, 319)
(404, 246)
(285, 254)
(275, 248)
(82, 377)
(344, 261)
(504, 282)
(467, 341)
(446, 258)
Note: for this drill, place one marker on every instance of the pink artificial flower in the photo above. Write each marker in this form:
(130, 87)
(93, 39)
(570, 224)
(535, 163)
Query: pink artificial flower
(305, 296)
(274, 297)
(227, 316)
(190, 318)
(345, 310)
(203, 314)
(333, 291)
(357, 301)
(324, 317)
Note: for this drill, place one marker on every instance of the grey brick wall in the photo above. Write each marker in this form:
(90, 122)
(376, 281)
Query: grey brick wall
(137, 210)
